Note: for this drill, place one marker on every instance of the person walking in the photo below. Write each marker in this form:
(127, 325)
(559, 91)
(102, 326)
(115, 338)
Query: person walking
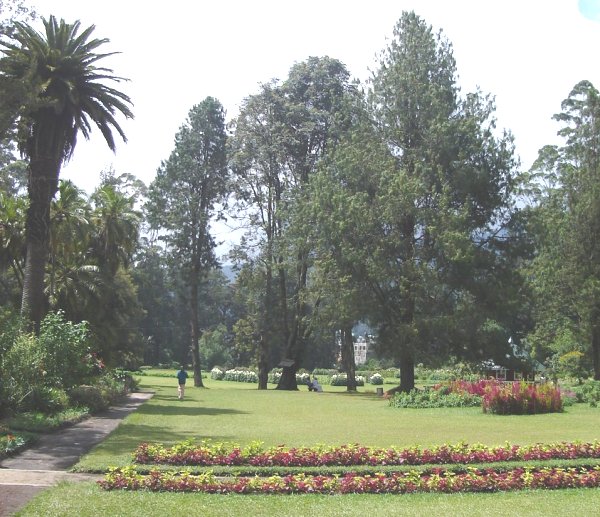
(182, 375)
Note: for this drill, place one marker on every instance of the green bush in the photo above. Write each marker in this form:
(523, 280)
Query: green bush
(217, 373)
(240, 375)
(37, 422)
(89, 397)
(588, 392)
(431, 398)
(375, 379)
(302, 377)
(341, 379)
(47, 400)
(324, 371)
(31, 366)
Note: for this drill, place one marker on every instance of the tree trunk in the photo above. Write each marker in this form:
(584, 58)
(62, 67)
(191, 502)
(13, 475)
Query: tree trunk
(195, 331)
(295, 345)
(287, 381)
(267, 324)
(596, 344)
(263, 364)
(42, 185)
(348, 361)
(407, 372)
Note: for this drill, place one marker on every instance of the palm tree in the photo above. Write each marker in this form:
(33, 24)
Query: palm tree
(72, 97)
(116, 228)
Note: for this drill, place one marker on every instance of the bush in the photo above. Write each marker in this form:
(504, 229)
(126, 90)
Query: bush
(89, 397)
(324, 371)
(376, 379)
(302, 377)
(217, 373)
(520, 398)
(341, 379)
(32, 366)
(433, 398)
(47, 400)
(239, 375)
(588, 392)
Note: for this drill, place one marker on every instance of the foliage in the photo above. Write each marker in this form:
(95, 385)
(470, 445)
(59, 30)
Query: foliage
(89, 397)
(520, 398)
(432, 398)
(239, 375)
(69, 94)
(438, 480)
(376, 379)
(302, 378)
(36, 369)
(282, 135)
(217, 373)
(215, 347)
(418, 198)
(588, 392)
(37, 422)
(565, 275)
(341, 379)
(183, 198)
(210, 453)
(12, 442)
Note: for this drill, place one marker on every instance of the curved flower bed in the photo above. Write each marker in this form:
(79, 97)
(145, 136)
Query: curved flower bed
(437, 480)
(208, 454)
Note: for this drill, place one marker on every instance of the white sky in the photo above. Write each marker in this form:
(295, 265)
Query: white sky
(527, 53)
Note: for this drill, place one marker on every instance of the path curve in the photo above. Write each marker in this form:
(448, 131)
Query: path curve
(45, 464)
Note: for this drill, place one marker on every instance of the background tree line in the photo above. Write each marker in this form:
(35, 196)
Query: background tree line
(396, 203)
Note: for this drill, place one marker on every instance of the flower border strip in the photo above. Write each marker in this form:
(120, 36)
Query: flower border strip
(218, 454)
(474, 480)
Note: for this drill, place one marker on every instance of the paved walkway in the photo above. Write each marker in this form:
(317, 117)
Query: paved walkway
(24, 475)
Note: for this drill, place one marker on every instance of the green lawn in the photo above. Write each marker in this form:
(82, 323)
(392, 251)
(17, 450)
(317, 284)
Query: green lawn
(239, 413)
(87, 500)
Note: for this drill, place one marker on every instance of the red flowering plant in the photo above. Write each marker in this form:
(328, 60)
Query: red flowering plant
(435, 480)
(207, 453)
(519, 398)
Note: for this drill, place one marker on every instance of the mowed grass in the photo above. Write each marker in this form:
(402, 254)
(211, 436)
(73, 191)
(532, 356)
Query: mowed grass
(87, 500)
(236, 412)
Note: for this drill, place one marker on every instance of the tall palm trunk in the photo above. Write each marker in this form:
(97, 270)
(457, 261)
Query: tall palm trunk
(42, 185)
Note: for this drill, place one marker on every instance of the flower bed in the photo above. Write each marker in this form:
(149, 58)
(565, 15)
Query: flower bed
(437, 480)
(212, 454)
(520, 398)
(503, 398)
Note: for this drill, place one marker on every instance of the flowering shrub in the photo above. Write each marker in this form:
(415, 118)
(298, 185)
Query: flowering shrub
(12, 442)
(376, 378)
(519, 398)
(239, 375)
(434, 398)
(275, 375)
(341, 379)
(435, 480)
(217, 373)
(208, 453)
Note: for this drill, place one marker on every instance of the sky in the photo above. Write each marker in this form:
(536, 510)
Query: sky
(528, 54)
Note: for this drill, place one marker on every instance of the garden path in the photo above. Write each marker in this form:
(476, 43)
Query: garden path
(45, 464)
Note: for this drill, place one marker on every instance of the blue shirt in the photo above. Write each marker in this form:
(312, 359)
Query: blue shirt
(182, 375)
